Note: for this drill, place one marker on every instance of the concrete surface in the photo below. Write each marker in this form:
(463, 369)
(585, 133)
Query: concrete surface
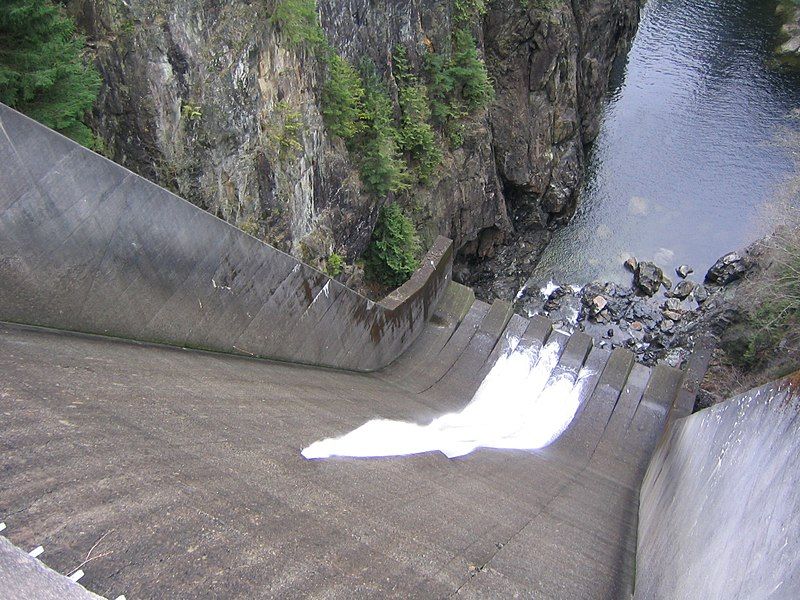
(86, 245)
(24, 577)
(170, 472)
(720, 504)
(186, 466)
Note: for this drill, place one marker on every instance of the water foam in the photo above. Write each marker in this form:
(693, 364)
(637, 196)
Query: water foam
(520, 405)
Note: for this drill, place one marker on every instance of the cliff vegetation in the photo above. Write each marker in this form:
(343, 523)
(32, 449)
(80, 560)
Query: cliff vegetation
(303, 121)
(43, 72)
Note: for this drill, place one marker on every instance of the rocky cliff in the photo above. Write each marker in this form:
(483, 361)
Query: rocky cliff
(211, 99)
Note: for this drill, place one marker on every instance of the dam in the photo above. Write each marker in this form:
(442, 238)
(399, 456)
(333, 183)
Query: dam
(161, 373)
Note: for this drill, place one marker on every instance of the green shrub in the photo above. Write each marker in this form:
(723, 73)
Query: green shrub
(42, 71)
(284, 130)
(334, 265)
(249, 226)
(391, 257)
(342, 99)
(382, 168)
(191, 112)
(415, 134)
(298, 21)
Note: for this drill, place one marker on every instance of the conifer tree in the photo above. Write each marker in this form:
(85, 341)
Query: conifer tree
(42, 70)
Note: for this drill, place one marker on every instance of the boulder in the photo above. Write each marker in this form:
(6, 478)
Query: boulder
(684, 271)
(728, 268)
(590, 291)
(554, 299)
(683, 289)
(647, 278)
(599, 303)
(700, 293)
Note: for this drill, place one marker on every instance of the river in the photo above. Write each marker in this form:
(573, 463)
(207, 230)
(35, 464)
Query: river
(688, 161)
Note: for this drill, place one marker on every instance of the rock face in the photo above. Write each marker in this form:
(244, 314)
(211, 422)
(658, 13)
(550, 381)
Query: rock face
(209, 99)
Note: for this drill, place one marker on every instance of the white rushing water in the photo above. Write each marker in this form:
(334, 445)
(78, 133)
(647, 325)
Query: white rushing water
(520, 405)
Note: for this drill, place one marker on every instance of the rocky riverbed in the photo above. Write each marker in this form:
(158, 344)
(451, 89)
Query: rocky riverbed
(659, 316)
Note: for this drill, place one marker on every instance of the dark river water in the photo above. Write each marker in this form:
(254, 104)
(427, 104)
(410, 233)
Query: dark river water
(688, 160)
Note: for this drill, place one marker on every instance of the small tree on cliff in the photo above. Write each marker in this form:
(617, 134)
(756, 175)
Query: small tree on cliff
(42, 71)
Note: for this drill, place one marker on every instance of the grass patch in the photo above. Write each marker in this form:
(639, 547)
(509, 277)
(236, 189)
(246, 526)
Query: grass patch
(774, 318)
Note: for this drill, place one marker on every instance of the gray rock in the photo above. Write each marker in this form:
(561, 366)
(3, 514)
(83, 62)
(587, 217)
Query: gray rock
(700, 293)
(630, 264)
(667, 325)
(667, 282)
(728, 268)
(672, 315)
(673, 304)
(683, 289)
(554, 299)
(684, 271)
(647, 278)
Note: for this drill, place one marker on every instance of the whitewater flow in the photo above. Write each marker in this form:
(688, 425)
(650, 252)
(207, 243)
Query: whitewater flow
(520, 405)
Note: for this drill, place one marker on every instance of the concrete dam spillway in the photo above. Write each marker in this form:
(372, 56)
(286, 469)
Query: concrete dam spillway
(161, 371)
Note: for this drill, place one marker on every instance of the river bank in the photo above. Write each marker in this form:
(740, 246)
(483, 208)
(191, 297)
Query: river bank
(688, 157)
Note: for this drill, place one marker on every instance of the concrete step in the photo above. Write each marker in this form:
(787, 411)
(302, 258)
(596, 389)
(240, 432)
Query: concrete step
(461, 379)
(537, 333)
(425, 373)
(574, 355)
(510, 339)
(651, 413)
(580, 440)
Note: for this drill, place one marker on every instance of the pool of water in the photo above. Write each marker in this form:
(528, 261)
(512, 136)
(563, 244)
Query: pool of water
(688, 161)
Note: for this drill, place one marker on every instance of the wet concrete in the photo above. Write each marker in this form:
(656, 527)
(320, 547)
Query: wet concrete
(720, 504)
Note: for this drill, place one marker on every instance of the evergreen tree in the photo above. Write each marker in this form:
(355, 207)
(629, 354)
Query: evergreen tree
(342, 98)
(391, 257)
(382, 168)
(42, 71)
(415, 134)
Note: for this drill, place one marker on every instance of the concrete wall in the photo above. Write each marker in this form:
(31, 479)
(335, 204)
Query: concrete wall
(719, 509)
(86, 245)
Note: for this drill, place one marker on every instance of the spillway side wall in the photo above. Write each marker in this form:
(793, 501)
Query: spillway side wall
(86, 245)
(720, 502)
